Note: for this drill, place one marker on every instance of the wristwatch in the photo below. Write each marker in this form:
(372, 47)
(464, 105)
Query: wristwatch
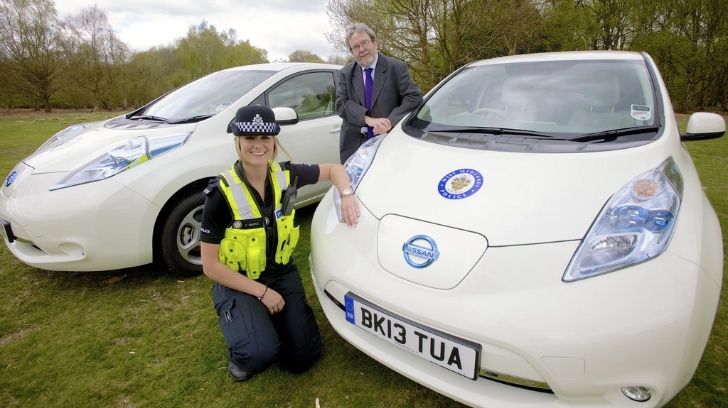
(347, 192)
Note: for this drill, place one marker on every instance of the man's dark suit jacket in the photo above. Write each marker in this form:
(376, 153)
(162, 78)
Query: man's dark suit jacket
(394, 95)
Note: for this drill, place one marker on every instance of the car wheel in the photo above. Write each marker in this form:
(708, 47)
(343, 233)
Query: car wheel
(180, 237)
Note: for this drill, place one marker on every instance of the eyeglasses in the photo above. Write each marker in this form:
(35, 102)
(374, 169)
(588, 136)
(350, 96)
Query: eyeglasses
(363, 44)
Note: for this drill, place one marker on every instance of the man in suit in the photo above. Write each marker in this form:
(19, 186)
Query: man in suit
(374, 93)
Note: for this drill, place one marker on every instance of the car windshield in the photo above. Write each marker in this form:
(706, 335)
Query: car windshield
(574, 101)
(206, 96)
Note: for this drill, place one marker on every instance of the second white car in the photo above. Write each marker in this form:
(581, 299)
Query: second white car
(128, 190)
(534, 235)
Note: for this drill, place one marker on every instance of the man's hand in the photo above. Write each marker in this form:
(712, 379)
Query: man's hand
(379, 125)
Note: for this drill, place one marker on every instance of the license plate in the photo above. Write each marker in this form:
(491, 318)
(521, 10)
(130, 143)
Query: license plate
(451, 352)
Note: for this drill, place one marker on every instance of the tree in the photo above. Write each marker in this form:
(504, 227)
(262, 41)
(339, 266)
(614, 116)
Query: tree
(688, 39)
(435, 37)
(205, 50)
(95, 57)
(614, 20)
(406, 29)
(9, 96)
(29, 46)
(568, 26)
(150, 74)
(501, 27)
(303, 56)
(338, 59)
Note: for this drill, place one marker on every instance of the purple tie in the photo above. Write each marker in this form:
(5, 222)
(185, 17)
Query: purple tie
(368, 85)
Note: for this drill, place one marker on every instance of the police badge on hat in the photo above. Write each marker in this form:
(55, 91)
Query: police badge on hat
(254, 120)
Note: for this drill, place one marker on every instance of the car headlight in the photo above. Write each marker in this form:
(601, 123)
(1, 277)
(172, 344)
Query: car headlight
(357, 165)
(634, 226)
(132, 153)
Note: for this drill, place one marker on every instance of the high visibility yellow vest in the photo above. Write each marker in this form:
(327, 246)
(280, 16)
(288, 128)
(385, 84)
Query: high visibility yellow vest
(244, 245)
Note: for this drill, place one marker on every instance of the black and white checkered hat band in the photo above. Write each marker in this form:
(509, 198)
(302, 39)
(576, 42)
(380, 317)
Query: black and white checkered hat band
(256, 128)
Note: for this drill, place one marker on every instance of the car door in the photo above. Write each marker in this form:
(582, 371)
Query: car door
(315, 138)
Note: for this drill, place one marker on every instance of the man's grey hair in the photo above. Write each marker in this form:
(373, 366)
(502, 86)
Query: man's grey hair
(358, 28)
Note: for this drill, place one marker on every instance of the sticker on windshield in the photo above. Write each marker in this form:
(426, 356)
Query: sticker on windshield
(641, 112)
(461, 183)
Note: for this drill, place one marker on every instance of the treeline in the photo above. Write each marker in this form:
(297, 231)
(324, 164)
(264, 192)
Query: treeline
(78, 62)
(687, 38)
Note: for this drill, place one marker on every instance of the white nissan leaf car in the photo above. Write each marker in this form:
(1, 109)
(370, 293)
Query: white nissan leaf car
(533, 235)
(129, 190)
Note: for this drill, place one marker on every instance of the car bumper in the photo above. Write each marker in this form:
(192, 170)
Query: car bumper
(643, 326)
(97, 226)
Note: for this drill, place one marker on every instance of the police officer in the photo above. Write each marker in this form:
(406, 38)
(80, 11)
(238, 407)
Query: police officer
(248, 236)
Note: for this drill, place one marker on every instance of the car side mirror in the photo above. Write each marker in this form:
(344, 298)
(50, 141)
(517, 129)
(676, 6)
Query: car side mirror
(703, 126)
(285, 116)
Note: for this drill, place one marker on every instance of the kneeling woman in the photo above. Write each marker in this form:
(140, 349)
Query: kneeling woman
(248, 236)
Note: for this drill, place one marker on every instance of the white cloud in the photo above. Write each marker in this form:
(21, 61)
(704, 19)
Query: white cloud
(277, 26)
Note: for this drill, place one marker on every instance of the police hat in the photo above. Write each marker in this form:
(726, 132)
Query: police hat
(254, 120)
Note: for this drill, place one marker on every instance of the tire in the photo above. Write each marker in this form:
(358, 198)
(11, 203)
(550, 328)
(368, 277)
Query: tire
(180, 236)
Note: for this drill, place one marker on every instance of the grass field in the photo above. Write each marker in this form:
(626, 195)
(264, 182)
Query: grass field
(142, 337)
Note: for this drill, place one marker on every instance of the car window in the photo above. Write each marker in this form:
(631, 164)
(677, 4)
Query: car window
(310, 94)
(208, 95)
(563, 97)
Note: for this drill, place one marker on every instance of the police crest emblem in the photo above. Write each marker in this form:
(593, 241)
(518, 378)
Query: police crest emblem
(459, 184)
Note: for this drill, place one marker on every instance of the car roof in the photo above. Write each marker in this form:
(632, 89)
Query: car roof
(563, 56)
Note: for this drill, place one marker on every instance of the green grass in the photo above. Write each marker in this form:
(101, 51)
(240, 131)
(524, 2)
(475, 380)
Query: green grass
(143, 337)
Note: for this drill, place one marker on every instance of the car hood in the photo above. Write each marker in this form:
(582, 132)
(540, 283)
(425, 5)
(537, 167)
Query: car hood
(96, 139)
(509, 198)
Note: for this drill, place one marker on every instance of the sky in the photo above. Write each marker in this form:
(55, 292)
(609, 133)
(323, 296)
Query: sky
(277, 26)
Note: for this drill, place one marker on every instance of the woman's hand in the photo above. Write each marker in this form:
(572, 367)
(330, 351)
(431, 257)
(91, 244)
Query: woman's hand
(349, 205)
(349, 210)
(273, 301)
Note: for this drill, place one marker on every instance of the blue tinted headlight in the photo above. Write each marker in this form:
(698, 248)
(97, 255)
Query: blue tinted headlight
(132, 153)
(359, 162)
(357, 165)
(632, 217)
(634, 226)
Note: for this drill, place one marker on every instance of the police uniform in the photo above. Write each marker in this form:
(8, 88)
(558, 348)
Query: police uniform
(235, 212)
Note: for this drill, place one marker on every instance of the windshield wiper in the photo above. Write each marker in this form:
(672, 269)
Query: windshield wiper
(614, 133)
(497, 131)
(149, 117)
(191, 119)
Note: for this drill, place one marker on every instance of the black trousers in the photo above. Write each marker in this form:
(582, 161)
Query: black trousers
(255, 338)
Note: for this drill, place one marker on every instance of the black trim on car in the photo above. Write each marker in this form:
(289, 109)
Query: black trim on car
(689, 137)
(333, 299)
(652, 69)
(8, 230)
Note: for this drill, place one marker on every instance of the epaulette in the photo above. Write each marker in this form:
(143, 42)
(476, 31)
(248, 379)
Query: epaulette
(212, 185)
